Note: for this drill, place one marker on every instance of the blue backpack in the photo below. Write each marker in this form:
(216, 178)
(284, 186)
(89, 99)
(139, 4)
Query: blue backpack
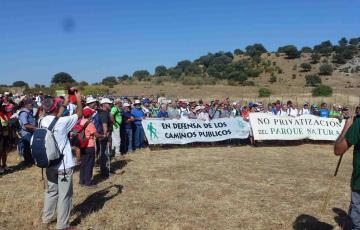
(97, 123)
(44, 148)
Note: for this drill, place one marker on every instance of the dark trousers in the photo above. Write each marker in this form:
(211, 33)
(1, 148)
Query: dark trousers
(87, 159)
(26, 150)
(104, 157)
(126, 140)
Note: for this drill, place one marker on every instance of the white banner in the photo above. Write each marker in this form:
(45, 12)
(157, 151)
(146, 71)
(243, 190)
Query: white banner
(182, 131)
(271, 127)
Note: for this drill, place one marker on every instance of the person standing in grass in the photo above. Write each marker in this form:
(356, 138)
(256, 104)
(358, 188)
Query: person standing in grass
(58, 197)
(116, 119)
(349, 136)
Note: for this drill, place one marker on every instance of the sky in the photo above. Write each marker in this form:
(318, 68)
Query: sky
(94, 39)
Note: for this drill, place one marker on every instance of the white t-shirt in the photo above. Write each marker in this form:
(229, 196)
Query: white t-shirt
(71, 107)
(62, 127)
(304, 111)
(292, 112)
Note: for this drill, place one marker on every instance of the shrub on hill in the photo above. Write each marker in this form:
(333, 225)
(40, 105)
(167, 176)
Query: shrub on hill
(312, 80)
(322, 91)
(306, 67)
(264, 92)
(326, 69)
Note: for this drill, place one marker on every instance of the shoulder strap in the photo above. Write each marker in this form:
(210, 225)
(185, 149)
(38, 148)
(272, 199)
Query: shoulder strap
(52, 124)
(86, 124)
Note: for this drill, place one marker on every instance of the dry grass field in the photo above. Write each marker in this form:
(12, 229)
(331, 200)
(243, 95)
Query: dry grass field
(215, 187)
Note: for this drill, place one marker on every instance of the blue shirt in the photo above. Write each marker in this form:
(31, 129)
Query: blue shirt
(26, 118)
(162, 114)
(126, 116)
(324, 113)
(137, 113)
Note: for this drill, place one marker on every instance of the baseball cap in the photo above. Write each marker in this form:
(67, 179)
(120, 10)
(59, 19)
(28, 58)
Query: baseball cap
(126, 104)
(137, 102)
(105, 101)
(87, 112)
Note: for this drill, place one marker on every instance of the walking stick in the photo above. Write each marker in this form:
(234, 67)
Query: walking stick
(331, 185)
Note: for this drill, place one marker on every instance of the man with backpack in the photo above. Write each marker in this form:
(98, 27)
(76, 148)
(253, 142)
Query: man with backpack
(104, 127)
(116, 119)
(59, 175)
(28, 126)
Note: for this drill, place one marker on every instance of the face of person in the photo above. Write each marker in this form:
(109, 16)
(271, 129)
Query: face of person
(357, 111)
(106, 106)
(29, 106)
(92, 105)
(324, 106)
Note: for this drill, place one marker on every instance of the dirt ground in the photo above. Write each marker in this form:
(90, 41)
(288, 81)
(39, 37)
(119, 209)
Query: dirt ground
(217, 187)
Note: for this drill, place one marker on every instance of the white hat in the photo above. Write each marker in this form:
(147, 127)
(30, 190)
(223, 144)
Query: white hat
(90, 100)
(6, 93)
(137, 102)
(105, 101)
(117, 100)
(126, 104)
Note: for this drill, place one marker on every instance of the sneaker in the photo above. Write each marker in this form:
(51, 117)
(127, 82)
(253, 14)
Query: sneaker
(2, 170)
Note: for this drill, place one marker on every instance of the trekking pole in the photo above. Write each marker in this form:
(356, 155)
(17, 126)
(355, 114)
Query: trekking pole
(331, 185)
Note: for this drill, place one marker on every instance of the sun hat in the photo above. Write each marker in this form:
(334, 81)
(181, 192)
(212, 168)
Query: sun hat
(90, 100)
(105, 101)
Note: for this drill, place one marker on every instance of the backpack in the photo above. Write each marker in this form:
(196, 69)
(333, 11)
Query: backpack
(44, 148)
(97, 123)
(77, 135)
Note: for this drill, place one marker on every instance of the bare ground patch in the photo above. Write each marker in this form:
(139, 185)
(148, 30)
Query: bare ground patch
(196, 188)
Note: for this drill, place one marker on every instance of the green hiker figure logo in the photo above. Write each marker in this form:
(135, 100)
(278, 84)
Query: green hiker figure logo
(152, 131)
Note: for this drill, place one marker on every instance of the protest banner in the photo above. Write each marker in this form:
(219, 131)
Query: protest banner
(271, 127)
(183, 131)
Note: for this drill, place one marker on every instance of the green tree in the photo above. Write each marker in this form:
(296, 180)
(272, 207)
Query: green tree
(306, 49)
(306, 67)
(20, 84)
(255, 50)
(325, 48)
(183, 65)
(326, 69)
(290, 50)
(354, 41)
(322, 91)
(238, 52)
(264, 92)
(272, 79)
(160, 71)
(109, 81)
(62, 78)
(312, 80)
(343, 42)
(141, 74)
(238, 76)
(339, 58)
(315, 58)
(123, 77)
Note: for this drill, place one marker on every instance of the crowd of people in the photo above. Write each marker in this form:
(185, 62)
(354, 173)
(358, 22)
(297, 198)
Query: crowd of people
(92, 129)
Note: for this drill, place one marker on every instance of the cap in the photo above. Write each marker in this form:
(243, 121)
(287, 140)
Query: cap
(105, 101)
(137, 102)
(87, 112)
(90, 100)
(126, 104)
